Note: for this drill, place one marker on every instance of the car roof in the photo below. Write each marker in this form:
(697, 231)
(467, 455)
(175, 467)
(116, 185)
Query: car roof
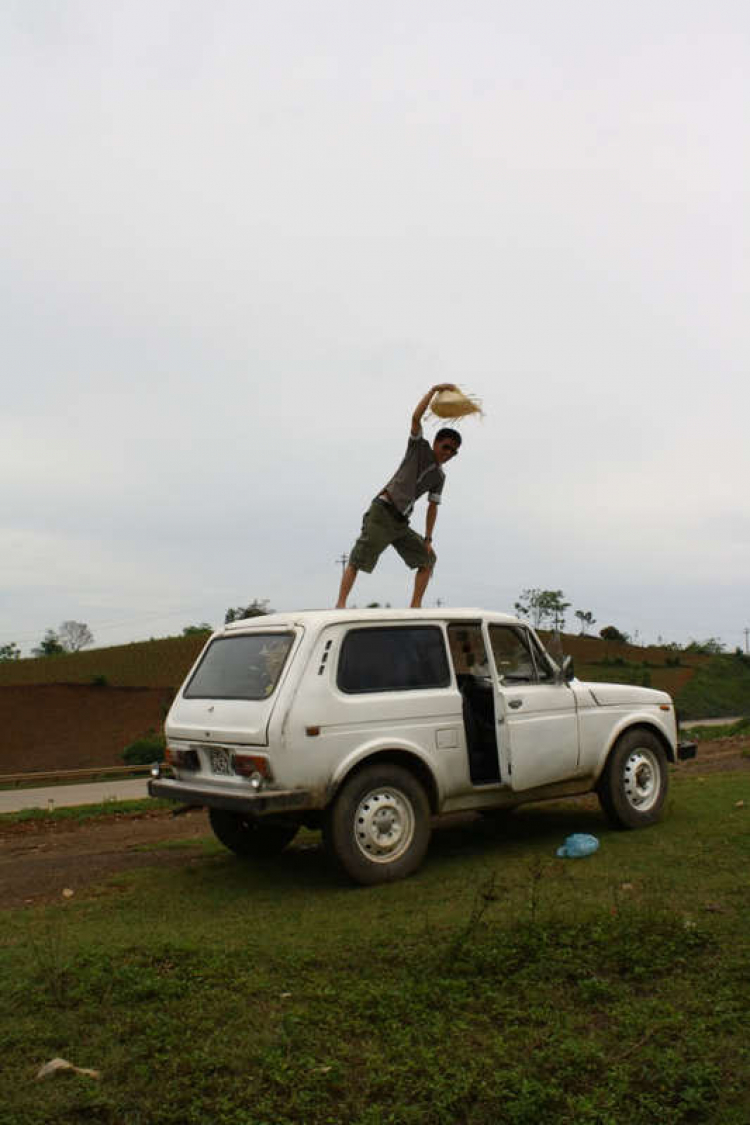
(319, 618)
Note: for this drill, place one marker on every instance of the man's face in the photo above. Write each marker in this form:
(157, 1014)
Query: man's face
(444, 449)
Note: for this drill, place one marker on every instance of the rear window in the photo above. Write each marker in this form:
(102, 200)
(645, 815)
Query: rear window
(393, 659)
(243, 667)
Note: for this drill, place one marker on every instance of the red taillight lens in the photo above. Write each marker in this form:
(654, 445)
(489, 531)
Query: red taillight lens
(183, 759)
(248, 764)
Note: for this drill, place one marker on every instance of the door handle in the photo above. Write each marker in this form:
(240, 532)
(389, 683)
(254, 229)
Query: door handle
(515, 703)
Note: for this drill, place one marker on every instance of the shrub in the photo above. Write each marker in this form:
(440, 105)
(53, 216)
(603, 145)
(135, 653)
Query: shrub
(145, 750)
(723, 730)
(719, 687)
(611, 633)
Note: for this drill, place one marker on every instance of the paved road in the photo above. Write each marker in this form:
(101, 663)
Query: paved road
(56, 796)
(710, 722)
(92, 793)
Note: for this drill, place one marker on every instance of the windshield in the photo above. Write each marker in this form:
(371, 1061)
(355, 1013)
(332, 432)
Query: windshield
(243, 667)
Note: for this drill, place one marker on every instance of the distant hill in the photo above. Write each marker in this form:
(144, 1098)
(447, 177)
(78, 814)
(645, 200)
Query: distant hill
(160, 663)
(610, 662)
(82, 708)
(701, 685)
(165, 663)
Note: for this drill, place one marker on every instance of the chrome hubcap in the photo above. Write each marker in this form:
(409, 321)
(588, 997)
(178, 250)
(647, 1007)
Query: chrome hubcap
(384, 825)
(642, 779)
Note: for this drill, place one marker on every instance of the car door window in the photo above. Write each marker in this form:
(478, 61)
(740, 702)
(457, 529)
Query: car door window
(400, 658)
(513, 658)
(468, 651)
(544, 670)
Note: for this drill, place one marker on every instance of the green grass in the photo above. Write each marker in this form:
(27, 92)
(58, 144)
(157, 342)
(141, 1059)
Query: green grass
(500, 984)
(721, 730)
(86, 812)
(719, 687)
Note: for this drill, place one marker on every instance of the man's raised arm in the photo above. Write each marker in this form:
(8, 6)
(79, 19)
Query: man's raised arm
(416, 418)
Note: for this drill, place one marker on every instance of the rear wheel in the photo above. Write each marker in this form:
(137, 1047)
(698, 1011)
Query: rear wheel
(378, 827)
(634, 785)
(256, 837)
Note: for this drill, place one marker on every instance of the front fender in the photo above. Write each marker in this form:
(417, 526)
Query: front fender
(664, 730)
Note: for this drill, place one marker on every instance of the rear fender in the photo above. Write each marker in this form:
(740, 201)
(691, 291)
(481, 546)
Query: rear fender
(404, 754)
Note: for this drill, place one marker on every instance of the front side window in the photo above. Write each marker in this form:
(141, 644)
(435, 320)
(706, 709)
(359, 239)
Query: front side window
(401, 658)
(544, 670)
(512, 653)
(244, 667)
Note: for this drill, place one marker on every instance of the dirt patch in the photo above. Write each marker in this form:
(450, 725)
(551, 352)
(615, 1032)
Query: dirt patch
(74, 726)
(40, 859)
(721, 754)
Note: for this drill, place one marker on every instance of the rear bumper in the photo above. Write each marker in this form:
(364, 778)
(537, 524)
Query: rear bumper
(686, 751)
(199, 796)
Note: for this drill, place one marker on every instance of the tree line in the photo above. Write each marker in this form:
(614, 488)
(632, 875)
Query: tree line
(544, 609)
(71, 636)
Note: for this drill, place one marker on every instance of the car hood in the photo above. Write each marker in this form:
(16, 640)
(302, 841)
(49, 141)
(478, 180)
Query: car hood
(618, 695)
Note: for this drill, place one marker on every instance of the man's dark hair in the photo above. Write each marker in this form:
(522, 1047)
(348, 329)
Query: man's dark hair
(447, 432)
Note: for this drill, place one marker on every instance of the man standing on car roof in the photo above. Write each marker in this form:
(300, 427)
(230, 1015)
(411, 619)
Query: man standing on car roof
(386, 521)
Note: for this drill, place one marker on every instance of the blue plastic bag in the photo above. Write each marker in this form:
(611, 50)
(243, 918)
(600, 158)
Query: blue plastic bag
(578, 845)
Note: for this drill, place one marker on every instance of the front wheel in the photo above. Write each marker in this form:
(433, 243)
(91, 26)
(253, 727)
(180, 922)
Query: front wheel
(633, 787)
(254, 837)
(378, 827)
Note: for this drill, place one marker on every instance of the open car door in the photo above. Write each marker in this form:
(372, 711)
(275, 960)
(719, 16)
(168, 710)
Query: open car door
(538, 710)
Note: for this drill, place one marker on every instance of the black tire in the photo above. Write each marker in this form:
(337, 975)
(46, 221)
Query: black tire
(634, 785)
(254, 837)
(378, 827)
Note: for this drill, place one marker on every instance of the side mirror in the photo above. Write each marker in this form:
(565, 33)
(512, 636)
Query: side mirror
(566, 671)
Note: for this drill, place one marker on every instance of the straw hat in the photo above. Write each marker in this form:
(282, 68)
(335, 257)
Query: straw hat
(455, 404)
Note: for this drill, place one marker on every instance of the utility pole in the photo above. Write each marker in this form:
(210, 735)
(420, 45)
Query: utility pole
(747, 633)
(342, 560)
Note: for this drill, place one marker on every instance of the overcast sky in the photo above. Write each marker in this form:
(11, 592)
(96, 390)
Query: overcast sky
(240, 239)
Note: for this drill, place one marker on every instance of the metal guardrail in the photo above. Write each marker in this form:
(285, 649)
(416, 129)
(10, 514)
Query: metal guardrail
(686, 724)
(53, 776)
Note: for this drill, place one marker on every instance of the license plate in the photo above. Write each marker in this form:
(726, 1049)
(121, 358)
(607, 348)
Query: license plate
(220, 762)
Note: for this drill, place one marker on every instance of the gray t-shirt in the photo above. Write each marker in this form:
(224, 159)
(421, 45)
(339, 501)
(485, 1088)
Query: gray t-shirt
(418, 473)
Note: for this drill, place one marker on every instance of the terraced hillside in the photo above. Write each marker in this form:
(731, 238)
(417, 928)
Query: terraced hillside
(81, 709)
(156, 663)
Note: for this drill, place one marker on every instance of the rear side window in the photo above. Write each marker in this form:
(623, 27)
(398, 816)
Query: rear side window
(393, 659)
(243, 667)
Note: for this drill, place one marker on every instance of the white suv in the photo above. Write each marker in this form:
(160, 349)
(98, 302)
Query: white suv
(366, 723)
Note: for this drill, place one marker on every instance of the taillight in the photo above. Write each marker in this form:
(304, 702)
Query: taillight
(183, 759)
(252, 766)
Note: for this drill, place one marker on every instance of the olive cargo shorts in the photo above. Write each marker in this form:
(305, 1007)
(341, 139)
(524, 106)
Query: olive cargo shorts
(381, 528)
